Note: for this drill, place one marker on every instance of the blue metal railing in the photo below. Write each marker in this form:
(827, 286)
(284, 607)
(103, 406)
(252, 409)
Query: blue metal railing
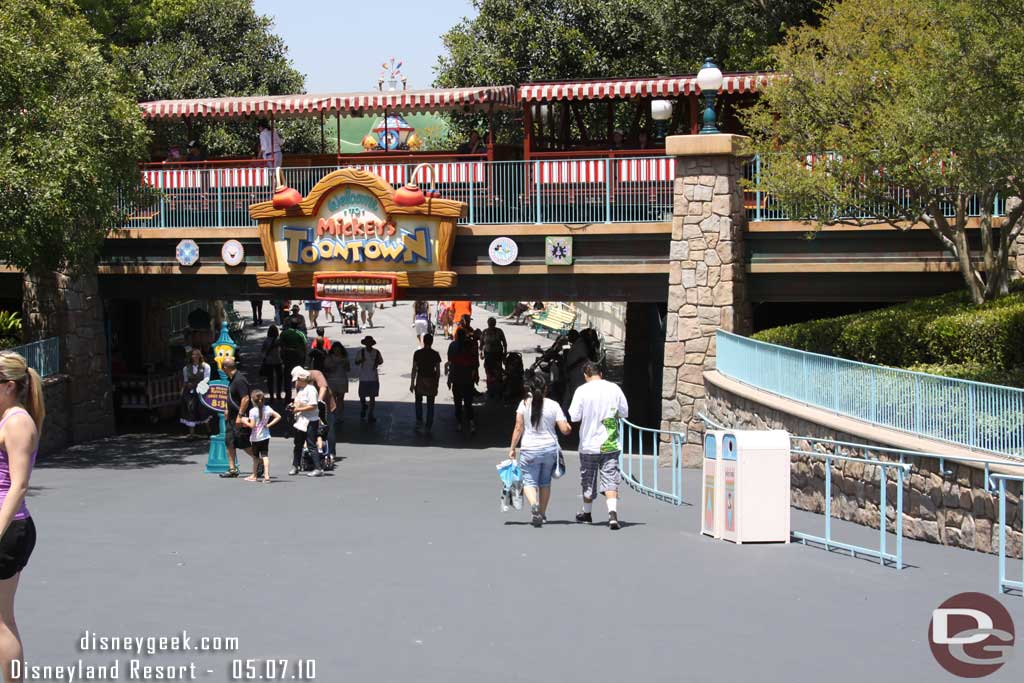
(762, 206)
(1005, 584)
(638, 461)
(620, 190)
(985, 417)
(908, 463)
(882, 555)
(42, 356)
(902, 469)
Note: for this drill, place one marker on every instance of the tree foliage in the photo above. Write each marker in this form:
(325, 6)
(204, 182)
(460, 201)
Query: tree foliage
(180, 49)
(518, 41)
(70, 137)
(915, 112)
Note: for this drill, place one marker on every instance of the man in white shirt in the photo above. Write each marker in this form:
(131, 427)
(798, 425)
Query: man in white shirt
(598, 405)
(270, 144)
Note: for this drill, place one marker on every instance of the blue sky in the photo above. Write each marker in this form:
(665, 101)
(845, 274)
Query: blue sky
(340, 45)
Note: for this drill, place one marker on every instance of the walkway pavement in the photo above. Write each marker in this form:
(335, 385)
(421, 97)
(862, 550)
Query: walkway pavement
(401, 567)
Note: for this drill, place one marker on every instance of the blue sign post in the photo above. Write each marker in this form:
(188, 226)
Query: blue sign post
(216, 399)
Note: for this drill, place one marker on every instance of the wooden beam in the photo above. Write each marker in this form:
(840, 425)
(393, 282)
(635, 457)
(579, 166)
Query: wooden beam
(170, 269)
(575, 269)
(805, 226)
(525, 229)
(917, 266)
(183, 233)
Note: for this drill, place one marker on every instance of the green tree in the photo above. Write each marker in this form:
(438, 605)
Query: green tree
(70, 136)
(517, 41)
(180, 49)
(914, 110)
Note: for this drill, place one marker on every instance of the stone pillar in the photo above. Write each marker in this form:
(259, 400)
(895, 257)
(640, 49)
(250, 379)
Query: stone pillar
(70, 308)
(706, 274)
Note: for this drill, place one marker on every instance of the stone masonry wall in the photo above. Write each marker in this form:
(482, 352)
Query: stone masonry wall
(56, 433)
(707, 288)
(952, 508)
(70, 307)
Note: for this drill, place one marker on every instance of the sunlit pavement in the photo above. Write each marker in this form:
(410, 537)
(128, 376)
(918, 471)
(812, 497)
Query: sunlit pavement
(400, 566)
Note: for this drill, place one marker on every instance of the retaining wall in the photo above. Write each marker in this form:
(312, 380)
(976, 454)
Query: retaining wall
(952, 508)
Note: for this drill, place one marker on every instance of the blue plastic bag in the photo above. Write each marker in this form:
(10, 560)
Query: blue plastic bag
(511, 485)
(509, 473)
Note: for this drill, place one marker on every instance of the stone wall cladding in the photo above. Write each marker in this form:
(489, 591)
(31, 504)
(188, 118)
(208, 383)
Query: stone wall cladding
(707, 287)
(70, 307)
(56, 433)
(954, 509)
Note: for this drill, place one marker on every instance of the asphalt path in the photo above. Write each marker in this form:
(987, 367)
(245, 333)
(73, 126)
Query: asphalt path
(400, 566)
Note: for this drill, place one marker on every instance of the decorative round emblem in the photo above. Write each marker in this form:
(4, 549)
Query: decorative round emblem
(187, 253)
(503, 251)
(232, 252)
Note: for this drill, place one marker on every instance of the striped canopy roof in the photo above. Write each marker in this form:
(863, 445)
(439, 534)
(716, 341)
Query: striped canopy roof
(669, 86)
(354, 104)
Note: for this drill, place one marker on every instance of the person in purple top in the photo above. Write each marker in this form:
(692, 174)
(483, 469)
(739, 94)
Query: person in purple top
(21, 417)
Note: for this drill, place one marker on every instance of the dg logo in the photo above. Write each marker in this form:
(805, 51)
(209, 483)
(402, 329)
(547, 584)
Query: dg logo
(971, 635)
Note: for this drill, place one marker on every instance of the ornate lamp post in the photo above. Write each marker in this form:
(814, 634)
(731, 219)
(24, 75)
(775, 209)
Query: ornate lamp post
(661, 111)
(709, 80)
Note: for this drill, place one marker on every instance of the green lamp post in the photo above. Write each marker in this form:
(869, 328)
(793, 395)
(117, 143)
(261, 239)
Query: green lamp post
(709, 80)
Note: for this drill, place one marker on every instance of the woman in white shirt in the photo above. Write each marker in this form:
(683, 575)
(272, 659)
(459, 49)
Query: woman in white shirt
(261, 419)
(307, 423)
(537, 417)
(192, 410)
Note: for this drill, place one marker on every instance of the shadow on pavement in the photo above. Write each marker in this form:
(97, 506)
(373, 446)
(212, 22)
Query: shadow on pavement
(129, 450)
(396, 426)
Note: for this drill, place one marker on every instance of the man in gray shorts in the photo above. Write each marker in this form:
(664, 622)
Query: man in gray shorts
(597, 406)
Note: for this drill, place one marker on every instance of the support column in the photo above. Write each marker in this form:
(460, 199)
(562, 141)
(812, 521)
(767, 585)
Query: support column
(707, 274)
(70, 308)
(644, 344)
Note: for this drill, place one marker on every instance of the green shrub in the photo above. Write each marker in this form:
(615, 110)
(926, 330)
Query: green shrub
(10, 325)
(991, 337)
(816, 336)
(974, 372)
(947, 334)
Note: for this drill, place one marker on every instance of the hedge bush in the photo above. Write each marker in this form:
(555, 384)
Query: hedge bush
(947, 334)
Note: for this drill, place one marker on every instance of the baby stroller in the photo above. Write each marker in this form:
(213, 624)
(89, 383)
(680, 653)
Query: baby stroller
(512, 388)
(326, 460)
(350, 317)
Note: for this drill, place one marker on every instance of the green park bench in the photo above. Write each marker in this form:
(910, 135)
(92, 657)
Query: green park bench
(554, 319)
(236, 323)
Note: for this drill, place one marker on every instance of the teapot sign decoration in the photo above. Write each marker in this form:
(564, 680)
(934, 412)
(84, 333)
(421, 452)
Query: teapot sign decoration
(410, 194)
(284, 197)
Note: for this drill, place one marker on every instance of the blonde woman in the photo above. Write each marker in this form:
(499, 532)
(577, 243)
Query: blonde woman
(21, 418)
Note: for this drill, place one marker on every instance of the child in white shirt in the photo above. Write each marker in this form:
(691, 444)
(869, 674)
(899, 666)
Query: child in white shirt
(261, 418)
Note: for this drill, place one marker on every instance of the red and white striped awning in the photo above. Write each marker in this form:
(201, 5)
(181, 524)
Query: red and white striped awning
(671, 86)
(570, 172)
(352, 104)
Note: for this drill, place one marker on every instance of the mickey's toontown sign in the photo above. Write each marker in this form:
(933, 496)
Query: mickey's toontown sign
(354, 223)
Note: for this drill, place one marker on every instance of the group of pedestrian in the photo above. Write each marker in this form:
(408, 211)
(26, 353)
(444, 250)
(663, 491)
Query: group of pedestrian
(597, 406)
(250, 418)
